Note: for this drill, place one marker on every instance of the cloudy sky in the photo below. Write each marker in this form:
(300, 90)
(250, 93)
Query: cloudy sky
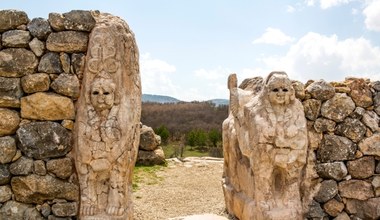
(189, 47)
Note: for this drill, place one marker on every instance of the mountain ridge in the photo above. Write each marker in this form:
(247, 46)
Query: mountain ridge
(168, 99)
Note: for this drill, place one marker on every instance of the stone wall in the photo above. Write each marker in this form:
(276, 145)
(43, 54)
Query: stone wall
(41, 67)
(344, 143)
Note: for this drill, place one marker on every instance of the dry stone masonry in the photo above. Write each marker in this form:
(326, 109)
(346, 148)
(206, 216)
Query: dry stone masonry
(57, 76)
(320, 160)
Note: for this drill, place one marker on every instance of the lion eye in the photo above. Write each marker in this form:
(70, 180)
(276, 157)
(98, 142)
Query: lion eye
(285, 90)
(275, 90)
(95, 93)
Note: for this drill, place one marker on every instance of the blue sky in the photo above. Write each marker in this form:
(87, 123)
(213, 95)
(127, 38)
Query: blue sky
(188, 48)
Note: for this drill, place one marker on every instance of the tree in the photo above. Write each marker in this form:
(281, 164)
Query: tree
(214, 136)
(164, 133)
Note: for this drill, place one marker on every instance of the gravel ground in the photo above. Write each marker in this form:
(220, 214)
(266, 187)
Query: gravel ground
(180, 189)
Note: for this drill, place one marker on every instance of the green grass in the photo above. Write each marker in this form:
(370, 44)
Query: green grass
(171, 149)
(146, 175)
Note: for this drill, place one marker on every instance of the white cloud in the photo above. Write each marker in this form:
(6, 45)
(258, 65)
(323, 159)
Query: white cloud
(316, 56)
(290, 9)
(372, 15)
(156, 76)
(213, 74)
(325, 4)
(273, 36)
(310, 2)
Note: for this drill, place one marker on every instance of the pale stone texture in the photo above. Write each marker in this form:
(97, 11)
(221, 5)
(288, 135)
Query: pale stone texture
(316, 211)
(64, 209)
(148, 140)
(335, 170)
(47, 106)
(321, 90)
(56, 21)
(39, 167)
(37, 46)
(324, 125)
(65, 62)
(42, 140)
(39, 28)
(338, 107)
(16, 38)
(370, 145)
(265, 147)
(67, 41)
(371, 120)
(108, 118)
(360, 92)
(61, 168)
(148, 158)
(5, 193)
(361, 168)
(352, 129)
(23, 166)
(9, 121)
(336, 148)
(356, 189)
(327, 191)
(10, 92)
(11, 19)
(32, 213)
(368, 209)
(38, 82)
(333, 207)
(7, 149)
(78, 20)
(77, 64)
(13, 210)
(343, 216)
(16, 62)
(50, 63)
(299, 89)
(67, 85)
(37, 189)
(312, 108)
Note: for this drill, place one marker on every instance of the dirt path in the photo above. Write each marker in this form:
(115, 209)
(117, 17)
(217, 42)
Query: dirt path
(181, 189)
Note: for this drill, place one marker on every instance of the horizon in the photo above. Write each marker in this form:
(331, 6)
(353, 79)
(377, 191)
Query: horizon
(188, 49)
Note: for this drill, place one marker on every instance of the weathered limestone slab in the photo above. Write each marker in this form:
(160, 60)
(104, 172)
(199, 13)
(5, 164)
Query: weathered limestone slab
(39, 28)
(324, 125)
(368, 209)
(16, 38)
(78, 20)
(50, 63)
(10, 92)
(108, 121)
(336, 148)
(9, 121)
(370, 145)
(38, 47)
(11, 19)
(333, 207)
(13, 210)
(321, 90)
(42, 140)
(61, 168)
(265, 137)
(17, 62)
(38, 82)
(334, 170)
(21, 167)
(327, 191)
(338, 107)
(148, 139)
(312, 108)
(65, 209)
(7, 149)
(67, 85)
(356, 189)
(150, 158)
(67, 41)
(47, 106)
(360, 92)
(352, 129)
(37, 189)
(361, 168)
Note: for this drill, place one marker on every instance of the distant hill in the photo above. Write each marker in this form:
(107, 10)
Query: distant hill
(159, 99)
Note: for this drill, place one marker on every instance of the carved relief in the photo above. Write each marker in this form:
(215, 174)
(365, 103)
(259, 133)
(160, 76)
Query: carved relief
(107, 128)
(266, 140)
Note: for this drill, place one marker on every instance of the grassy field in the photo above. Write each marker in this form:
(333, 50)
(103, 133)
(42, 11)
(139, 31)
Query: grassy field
(174, 150)
(146, 175)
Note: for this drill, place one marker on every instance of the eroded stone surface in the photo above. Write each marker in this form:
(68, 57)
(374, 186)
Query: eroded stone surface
(78, 20)
(37, 46)
(338, 107)
(16, 38)
(5, 175)
(64, 209)
(360, 92)
(368, 209)
(13, 210)
(148, 139)
(356, 189)
(38, 82)
(10, 92)
(42, 140)
(67, 41)
(336, 148)
(312, 108)
(23, 166)
(39, 28)
(321, 90)
(16, 62)
(50, 63)
(361, 168)
(352, 129)
(11, 19)
(9, 121)
(62, 168)
(370, 145)
(66, 84)
(334, 170)
(150, 158)
(327, 191)
(7, 149)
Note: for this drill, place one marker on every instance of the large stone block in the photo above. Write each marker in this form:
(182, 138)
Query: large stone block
(370, 145)
(17, 62)
(13, 210)
(321, 90)
(149, 158)
(335, 170)
(336, 148)
(67, 41)
(327, 191)
(42, 140)
(50, 63)
(356, 189)
(16, 38)
(78, 20)
(11, 19)
(38, 189)
(360, 92)
(38, 82)
(5, 175)
(65, 209)
(9, 121)
(47, 106)
(352, 129)
(338, 107)
(148, 140)
(21, 167)
(67, 85)
(368, 209)
(312, 108)
(39, 28)
(10, 92)
(7, 149)
(61, 168)
(361, 168)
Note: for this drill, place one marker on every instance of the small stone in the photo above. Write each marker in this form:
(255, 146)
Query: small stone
(333, 207)
(376, 185)
(17, 156)
(9, 121)
(11, 19)
(79, 20)
(67, 41)
(22, 166)
(68, 124)
(5, 175)
(40, 168)
(16, 38)
(378, 168)
(65, 209)
(324, 125)
(39, 28)
(65, 61)
(376, 85)
(38, 189)
(47, 106)
(37, 46)
(42, 140)
(343, 216)
(17, 62)
(356, 189)
(61, 168)
(371, 120)
(321, 90)
(7, 149)
(315, 211)
(352, 129)
(38, 82)
(368, 209)
(148, 140)
(149, 158)
(312, 107)
(299, 89)
(50, 63)
(327, 191)
(371, 145)
(357, 113)
(10, 92)
(45, 209)
(13, 210)
(361, 168)
(77, 64)
(67, 84)
(56, 21)
(335, 170)
(336, 148)
(5, 193)
(360, 92)
(33, 213)
(338, 108)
